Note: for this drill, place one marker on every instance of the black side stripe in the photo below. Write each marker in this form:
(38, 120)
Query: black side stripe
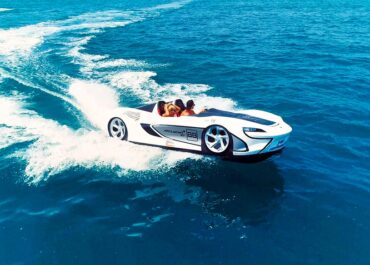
(149, 129)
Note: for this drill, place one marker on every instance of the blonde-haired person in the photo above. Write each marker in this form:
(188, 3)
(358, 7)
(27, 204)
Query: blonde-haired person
(170, 110)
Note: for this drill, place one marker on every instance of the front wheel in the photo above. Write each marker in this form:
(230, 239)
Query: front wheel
(216, 140)
(117, 128)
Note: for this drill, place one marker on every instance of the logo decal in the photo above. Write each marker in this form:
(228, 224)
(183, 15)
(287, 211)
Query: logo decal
(180, 133)
(175, 132)
(191, 135)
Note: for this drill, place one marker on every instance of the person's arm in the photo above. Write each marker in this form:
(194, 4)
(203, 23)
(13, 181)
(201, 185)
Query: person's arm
(203, 110)
(178, 109)
(166, 114)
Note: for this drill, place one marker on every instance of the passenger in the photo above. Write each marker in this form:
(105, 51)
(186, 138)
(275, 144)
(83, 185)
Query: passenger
(161, 107)
(170, 110)
(189, 109)
(180, 106)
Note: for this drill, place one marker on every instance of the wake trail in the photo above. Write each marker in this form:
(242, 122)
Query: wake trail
(172, 5)
(54, 148)
(62, 97)
(17, 44)
(3, 9)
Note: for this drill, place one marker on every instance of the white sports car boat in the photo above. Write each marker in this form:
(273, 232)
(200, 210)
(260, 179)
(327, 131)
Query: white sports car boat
(237, 134)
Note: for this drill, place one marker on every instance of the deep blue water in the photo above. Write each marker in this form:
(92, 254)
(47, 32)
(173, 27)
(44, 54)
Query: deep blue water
(71, 195)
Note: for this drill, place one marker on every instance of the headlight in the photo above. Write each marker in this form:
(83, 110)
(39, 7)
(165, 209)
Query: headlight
(249, 129)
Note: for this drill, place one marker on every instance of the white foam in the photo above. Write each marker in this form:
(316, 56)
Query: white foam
(57, 147)
(88, 149)
(20, 41)
(2, 9)
(23, 40)
(173, 5)
(95, 100)
(140, 83)
(120, 62)
(10, 136)
(64, 98)
(88, 61)
(91, 64)
(146, 88)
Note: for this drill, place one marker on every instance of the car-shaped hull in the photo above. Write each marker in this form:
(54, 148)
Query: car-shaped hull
(231, 134)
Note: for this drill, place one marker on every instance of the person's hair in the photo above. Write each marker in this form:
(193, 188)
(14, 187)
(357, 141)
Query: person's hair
(161, 107)
(189, 104)
(171, 107)
(180, 104)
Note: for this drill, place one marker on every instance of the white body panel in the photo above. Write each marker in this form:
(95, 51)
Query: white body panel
(187, 132)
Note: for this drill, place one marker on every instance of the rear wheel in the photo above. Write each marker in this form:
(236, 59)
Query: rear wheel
(217, 140)
(117, 128)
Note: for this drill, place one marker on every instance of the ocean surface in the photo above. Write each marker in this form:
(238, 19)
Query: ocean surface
(71, 195)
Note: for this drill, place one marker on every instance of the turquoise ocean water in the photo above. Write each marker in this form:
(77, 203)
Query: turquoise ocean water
(71, 195)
